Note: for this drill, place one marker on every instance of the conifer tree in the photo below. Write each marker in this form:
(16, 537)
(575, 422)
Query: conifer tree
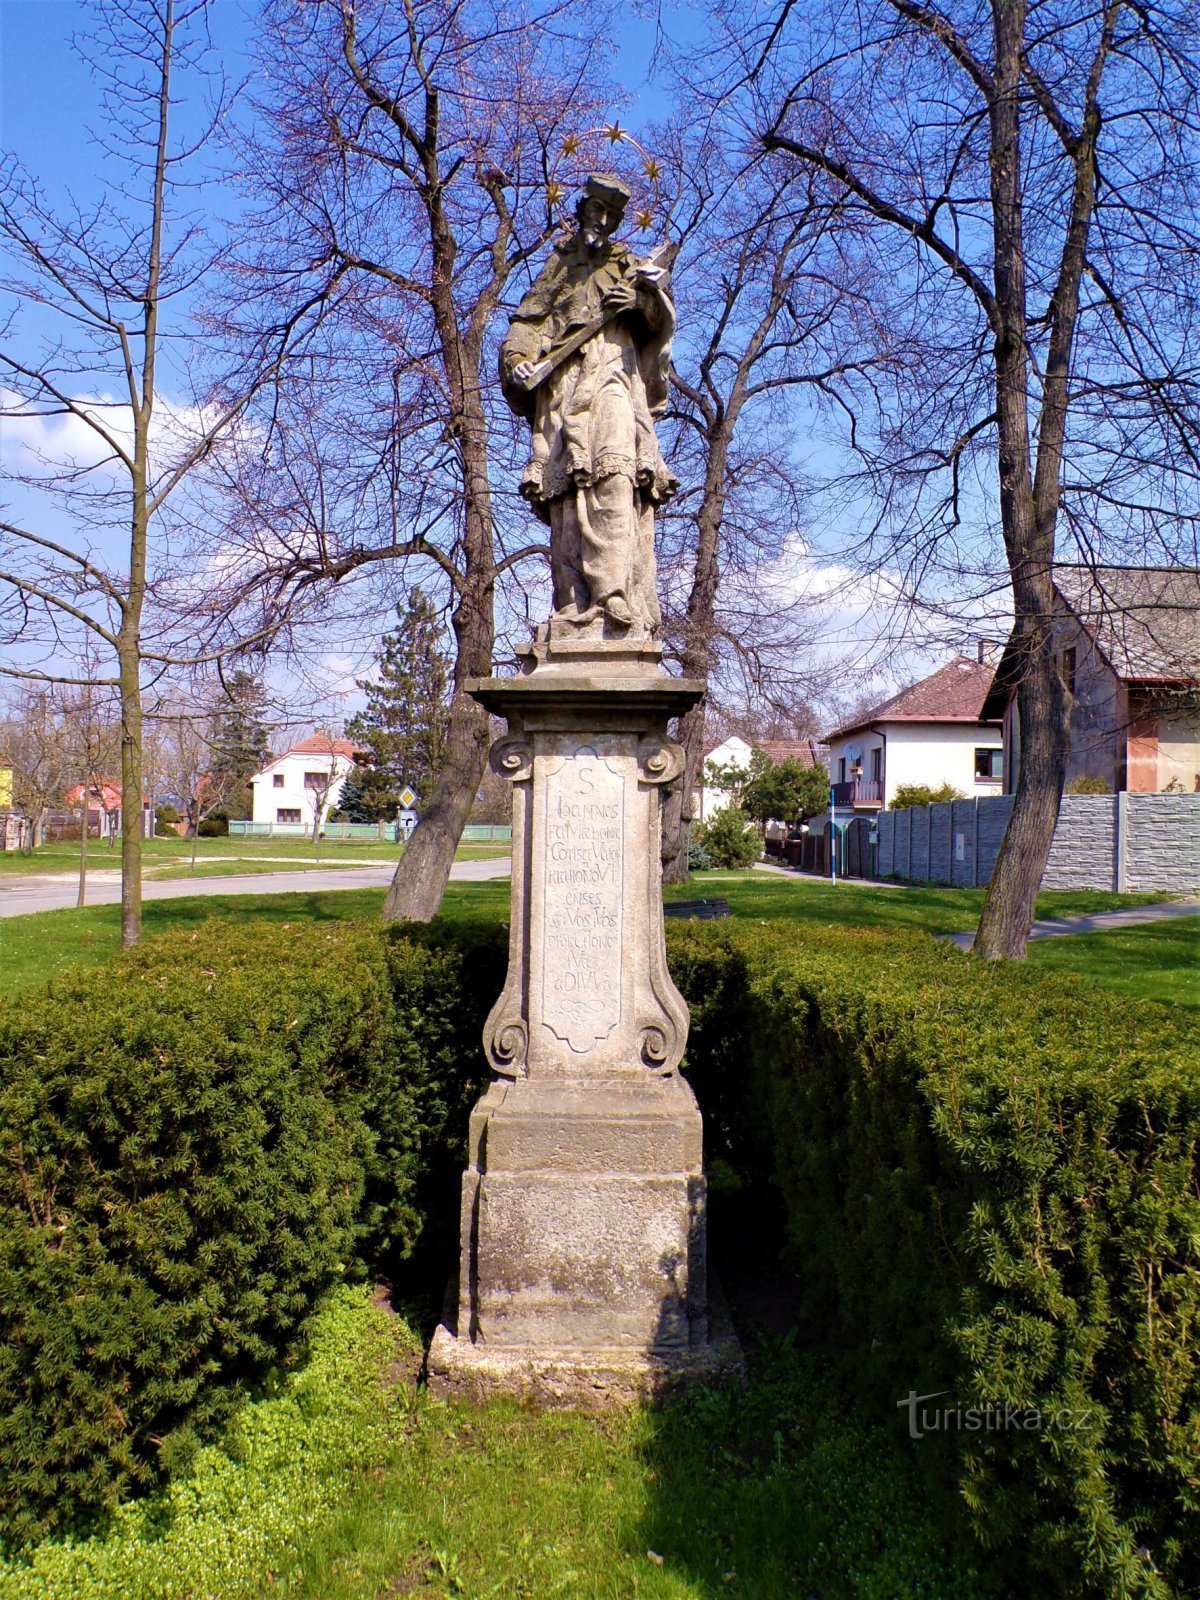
(354, 804)
(241, 745)
(404, 724)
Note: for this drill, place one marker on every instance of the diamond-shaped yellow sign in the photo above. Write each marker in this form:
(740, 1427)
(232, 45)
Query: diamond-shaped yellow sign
(407, 798)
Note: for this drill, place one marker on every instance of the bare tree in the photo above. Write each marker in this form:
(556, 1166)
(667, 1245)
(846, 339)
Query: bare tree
(33, 743)
(773, 302)
(321, 783)
(188, 740)
(1029, 174)
(413, 150)
(104, 279)
(92, 737)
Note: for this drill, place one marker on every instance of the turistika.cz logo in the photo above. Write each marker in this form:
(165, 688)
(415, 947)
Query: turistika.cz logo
(990, 1417)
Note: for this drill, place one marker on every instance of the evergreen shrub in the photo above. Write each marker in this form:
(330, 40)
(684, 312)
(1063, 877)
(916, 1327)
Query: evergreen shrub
(730, 840)
(991, 1186)
(194, 1142)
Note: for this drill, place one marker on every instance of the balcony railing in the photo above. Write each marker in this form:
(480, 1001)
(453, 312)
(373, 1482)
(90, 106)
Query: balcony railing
(859, 792)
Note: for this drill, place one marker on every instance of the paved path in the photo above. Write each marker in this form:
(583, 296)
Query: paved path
(1098, 922)
(823, 877)
(21, 895)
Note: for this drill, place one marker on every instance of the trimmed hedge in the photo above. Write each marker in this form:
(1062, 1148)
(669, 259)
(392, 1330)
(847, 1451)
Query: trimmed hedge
(194, 1142)
(989, 1176)
(991, 1186)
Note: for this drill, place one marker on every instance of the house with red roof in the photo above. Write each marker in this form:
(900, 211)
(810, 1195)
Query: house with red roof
(104, 808)
(934, 732)
(298, 791)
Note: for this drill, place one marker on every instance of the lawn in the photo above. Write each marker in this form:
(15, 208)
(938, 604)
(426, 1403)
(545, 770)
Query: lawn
(171, 857)
(344, 1482)
(1155, 962)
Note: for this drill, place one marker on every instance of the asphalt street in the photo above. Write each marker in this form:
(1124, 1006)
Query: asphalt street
(21, 895)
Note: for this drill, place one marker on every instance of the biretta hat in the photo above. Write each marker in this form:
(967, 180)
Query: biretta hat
(607, 188)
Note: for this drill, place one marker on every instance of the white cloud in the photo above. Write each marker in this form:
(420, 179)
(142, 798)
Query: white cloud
(42, 445)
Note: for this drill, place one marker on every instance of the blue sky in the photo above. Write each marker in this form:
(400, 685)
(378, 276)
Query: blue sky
(48, 96)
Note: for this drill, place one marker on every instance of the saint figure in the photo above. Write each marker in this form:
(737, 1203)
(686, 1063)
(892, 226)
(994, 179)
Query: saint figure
(586, 361)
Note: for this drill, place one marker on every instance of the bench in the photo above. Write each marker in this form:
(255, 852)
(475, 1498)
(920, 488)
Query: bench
(702, 910)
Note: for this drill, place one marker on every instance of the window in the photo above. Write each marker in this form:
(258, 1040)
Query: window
(287, 814)
(277, 780)
(1068, 669)
(877, 764)
(989, 766)
(841, 769)
(316, 780)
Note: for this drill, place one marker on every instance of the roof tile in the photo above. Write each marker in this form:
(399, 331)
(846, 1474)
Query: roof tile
(954, 693)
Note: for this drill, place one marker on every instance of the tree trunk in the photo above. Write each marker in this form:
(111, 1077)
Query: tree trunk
(424, 869)
(678, 810)
(81, 895)
(131, 797)
(1042, 710)
(697, 648)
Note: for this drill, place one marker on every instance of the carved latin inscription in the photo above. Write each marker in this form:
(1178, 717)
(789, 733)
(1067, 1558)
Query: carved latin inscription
(581, 961)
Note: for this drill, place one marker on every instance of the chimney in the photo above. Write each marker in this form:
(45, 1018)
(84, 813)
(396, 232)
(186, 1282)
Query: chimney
(985, 652)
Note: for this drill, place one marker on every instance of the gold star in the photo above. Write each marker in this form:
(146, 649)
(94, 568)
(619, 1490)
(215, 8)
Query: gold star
(553, 194)
(615, 133)
(645, 218)
(570, 144)
(653, 170)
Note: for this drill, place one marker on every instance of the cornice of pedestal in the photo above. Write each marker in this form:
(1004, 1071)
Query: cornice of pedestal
(557, 699)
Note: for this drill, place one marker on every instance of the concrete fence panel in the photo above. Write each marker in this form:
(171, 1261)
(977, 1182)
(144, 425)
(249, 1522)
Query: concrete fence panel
(919, 856)
(1084, 852)
(962, 843)
(903, 840)
(1133, 842)
(941, 842)
(1162, 843)
(885, 853)
(992, 821)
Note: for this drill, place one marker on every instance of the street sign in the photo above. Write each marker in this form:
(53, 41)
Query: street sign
(407, 799)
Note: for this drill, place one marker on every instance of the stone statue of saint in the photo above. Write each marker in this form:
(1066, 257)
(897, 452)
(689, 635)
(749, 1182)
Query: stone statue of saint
(586, 362)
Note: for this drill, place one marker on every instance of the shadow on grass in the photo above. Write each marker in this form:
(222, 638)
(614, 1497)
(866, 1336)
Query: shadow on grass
(794, 1485)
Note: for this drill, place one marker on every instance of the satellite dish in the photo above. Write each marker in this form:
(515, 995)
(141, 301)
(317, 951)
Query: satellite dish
(853, 752)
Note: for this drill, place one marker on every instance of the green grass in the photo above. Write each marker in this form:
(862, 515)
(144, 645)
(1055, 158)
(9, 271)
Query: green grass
(177, 853)
(37, 947)
(804, 899)
(1160, 961)
(344, 1483)
(1157, 962)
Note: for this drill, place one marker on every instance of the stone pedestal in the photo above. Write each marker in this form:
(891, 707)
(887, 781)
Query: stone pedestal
(582, 1272)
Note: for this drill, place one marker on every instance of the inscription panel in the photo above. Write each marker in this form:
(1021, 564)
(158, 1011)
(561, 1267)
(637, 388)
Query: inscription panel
(583, 801)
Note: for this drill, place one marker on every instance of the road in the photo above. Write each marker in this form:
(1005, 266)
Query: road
(18, 896)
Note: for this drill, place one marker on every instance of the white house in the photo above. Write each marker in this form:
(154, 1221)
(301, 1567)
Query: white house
(735, 752)
(305, 780)
(932, 733)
